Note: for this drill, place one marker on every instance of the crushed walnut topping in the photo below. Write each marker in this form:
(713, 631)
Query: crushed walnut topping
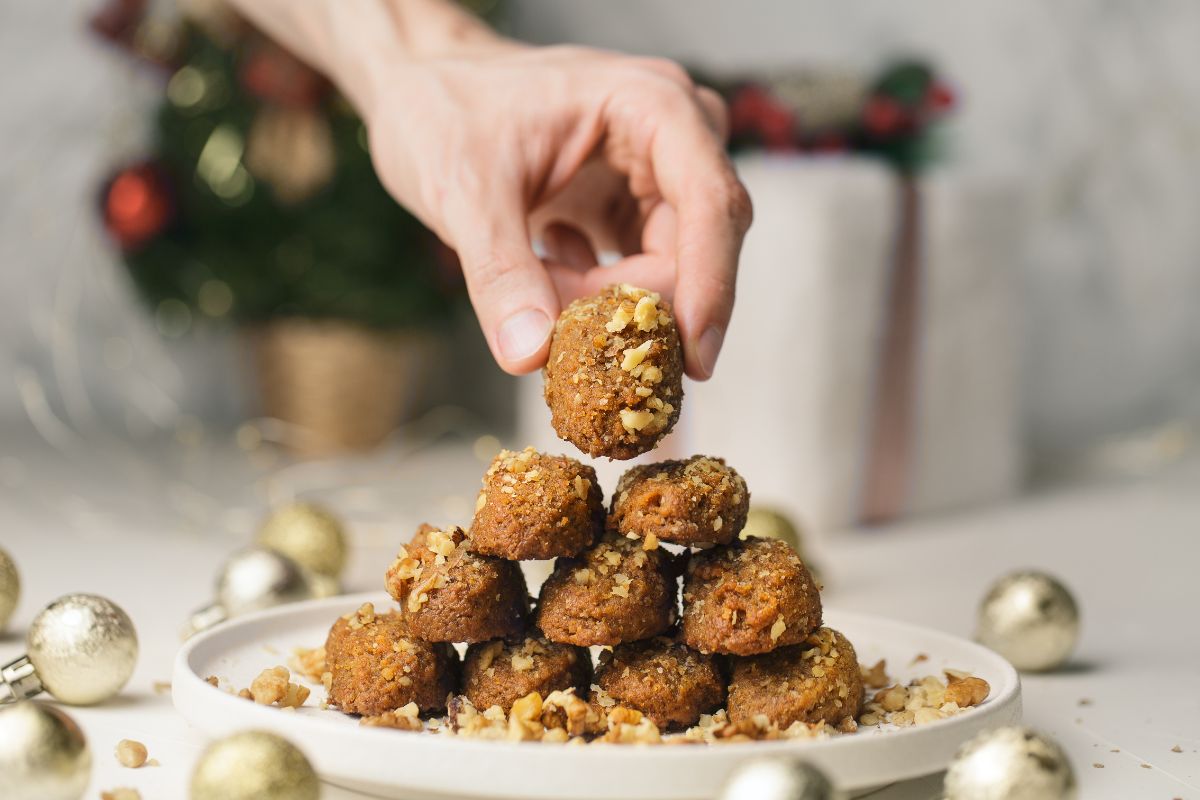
(582, 486)
(633, 356)
(273, 687)
(364, 616)
(309, 662)
(405, 718)
(924, 700)
(645, 313)
(636, 420)
(875, 677)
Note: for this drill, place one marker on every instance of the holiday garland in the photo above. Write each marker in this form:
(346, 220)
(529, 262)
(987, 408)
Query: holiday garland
(894, 117)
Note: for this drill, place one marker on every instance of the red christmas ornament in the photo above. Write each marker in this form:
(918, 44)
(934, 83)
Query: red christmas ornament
(883, 116)
(273, 74)
(939, 98)
(118, 20)
(137, 205)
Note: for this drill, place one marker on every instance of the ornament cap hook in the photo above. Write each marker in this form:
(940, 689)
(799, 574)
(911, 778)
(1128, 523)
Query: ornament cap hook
(19, 681)
(204, 618)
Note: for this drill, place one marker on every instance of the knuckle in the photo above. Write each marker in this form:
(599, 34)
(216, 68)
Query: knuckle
(740, 206)
(731, 197)
(493, 268)
(668, 69)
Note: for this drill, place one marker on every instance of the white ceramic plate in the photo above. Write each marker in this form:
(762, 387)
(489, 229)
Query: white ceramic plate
(393, 764)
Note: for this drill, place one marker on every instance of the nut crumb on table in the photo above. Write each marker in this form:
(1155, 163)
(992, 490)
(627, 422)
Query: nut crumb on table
(131, 753)
(121, 793)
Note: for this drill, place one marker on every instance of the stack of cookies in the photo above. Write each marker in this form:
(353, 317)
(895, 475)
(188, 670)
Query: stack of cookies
(747, 638)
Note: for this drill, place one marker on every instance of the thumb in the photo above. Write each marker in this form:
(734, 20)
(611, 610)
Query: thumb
(510, 289)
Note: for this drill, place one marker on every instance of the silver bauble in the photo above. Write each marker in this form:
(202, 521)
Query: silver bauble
(1030, 619)
(10, 588)
(43, 754)
(1010, 764)
(778, 779)
(83, 648)
(254, 765)
(255, 578)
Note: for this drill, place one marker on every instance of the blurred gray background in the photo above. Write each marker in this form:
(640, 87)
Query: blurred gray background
(1094, 107)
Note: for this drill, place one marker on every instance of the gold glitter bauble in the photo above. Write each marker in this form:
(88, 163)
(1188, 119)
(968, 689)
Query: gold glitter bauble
(254, 765)
(310, 535)
(83, 647)
(10, 588)
(767, 523)
(1010, 764)
(1030, 619)
(43, 755)
(778, 779)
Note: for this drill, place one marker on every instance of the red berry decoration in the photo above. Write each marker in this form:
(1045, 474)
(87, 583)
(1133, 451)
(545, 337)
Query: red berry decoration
(883, 116)
(118, 20)
(745, 107)
(755, 112)
(939, 98)
(137, 205)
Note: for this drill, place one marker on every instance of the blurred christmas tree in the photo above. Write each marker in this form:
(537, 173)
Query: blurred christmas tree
(258, 204)
(259, 200)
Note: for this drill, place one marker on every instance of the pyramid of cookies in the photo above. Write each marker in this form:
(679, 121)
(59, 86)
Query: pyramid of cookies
(746, 638)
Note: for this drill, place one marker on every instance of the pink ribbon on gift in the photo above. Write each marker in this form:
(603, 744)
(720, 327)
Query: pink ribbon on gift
(889, 448)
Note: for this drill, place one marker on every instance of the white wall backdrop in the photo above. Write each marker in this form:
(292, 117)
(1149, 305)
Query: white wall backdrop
(1094, 106)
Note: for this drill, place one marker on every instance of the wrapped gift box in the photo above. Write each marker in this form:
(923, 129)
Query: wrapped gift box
(837, 405)
(854, 387)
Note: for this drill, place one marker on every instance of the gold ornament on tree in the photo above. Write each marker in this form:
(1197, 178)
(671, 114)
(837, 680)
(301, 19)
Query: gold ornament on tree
(81, 648)
(1031, 619)
(1010, 764)
(43, 754)
(778, 779)
(308, 534)
(10, 588)
(769, 523)
(292, 150)
(256, 578)
(254, 765)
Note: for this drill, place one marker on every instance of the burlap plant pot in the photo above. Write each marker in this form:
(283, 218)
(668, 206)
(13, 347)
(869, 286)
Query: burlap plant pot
(338, 386)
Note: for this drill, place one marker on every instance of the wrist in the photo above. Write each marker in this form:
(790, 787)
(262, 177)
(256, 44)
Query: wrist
(418, 32)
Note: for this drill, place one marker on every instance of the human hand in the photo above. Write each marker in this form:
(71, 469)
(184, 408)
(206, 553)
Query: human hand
(587, 150)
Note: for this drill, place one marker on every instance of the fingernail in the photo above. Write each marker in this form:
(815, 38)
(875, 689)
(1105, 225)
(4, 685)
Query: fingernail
(709, 347)
(523, 334)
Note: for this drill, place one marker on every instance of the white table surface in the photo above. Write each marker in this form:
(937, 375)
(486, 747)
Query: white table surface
(148, 524)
